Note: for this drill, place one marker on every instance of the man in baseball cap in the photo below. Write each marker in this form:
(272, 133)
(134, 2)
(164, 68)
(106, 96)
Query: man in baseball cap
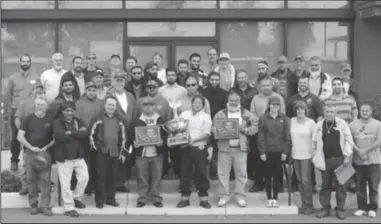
(226, 71)
(350, 85)
(288, 82)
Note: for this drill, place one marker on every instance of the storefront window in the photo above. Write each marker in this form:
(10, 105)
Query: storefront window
(245, 4)
(80, 39)
(327, 40)
(171, 29)
(74, 4)
(318, 4)
(251, 42)
(16, 4)
(184, 4)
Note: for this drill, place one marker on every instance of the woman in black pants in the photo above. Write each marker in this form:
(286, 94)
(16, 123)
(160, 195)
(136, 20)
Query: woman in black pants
(274, 141)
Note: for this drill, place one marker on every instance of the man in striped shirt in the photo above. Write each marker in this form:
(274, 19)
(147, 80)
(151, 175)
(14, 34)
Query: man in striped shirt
(346, 106)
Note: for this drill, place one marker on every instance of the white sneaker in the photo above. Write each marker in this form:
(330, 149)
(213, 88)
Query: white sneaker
(241, 202)
(222, 202)
(275, 203)
(372, 214)
(359, 213)
(269, 203)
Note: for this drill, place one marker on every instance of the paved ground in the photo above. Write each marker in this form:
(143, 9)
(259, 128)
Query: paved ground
(23, 216)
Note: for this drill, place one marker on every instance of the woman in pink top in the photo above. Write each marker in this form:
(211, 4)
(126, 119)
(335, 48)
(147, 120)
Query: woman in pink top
(301, 135)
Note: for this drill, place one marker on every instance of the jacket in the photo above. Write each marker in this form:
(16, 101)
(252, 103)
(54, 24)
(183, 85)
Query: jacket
(250, 130)
(130, 109)
(217, 98)
(54, 108)
(326, 85)
(247, 95)
(346, 142)
(87, 109)
(140, 123)
(88, 75)
(70, 76)
(292, 82)
(69, 147)
(130, 88)
(97, 135)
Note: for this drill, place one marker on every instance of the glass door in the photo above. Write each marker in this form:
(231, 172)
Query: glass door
(144, 52)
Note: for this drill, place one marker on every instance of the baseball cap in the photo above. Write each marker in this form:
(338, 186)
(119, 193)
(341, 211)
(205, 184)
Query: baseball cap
(346, 66)
(224, 55)
(148, 101)
(116, 54)
(90, 84)
(298, 57)
(274, 100)
(118, 76)
(92, 54)
(99, 72)
(282, 59)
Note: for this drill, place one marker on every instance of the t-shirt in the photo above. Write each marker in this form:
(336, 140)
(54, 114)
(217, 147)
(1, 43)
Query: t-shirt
(301, 136)
(365, 134)
(38, 131)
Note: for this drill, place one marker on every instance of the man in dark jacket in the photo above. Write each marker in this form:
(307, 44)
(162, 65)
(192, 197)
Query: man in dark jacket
(288, 81)
(108, 139)
(66, 94)
(76, 76)
(69, 134)
(350, 85)
(217, 98)
(136, 87)
(91, 69)
(149, 158)
(182, 72)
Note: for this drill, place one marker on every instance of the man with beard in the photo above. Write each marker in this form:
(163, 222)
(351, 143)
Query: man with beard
(195, 60)
(350, 85)
(51, 79)
(20, 87)
(299, 66)
(151, 72)
(182, 75)
(227, 71)
(288, 82)
(217, 98)
(212, 60)
(115, 68)
(131, 61)
(65, 95)
(77, 76)
(315, 112)
(171, 90)
(366, 133)
(263, 72)
(90, 70)
(258, 107)
(136, 86)
(320, 82)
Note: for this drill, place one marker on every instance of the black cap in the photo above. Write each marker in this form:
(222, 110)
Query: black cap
(115, 55)
(298, 57)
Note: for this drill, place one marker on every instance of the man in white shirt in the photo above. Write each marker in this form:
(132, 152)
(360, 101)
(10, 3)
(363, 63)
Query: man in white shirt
(50, 79)
(172, 91)
(320, 82)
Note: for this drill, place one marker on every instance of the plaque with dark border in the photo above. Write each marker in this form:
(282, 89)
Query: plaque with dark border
(178, 139)
(226, 128)
(147, 135)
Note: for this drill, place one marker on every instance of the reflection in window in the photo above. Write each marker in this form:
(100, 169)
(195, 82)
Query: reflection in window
(245, 4)
(328, 40)
(144, 54)
(104, 4)
(178, 4)
(171, 29)
(103, 39)
(30, 4)
(250, 42)
(318, 4)
(184, 51)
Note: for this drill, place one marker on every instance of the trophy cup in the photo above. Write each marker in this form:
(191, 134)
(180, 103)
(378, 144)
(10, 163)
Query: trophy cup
(176, 128)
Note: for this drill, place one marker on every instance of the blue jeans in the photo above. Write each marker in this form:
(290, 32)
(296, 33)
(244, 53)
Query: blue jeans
(367, 175)
(303, 170)
(149, 171)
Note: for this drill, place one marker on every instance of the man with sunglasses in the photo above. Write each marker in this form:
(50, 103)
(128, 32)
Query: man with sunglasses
(90, 70)
(137, 86)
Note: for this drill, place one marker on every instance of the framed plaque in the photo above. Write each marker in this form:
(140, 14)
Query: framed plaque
(147, 135)
(226, 128)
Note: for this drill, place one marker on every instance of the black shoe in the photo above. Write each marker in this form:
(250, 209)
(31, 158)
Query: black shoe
(46, 211)
(23, 191)
(183, 204)
(14, 166)
(205, 204)
(308, 211)
(256, 188)
(323, 213)
(99, 205)
(140, 204)
(112, 202)
(72, 213)
(340, 215)
(122, 189)
(158, 204)
(34, 210)
(79, 204)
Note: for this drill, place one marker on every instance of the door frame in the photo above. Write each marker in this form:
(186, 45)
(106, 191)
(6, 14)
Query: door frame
(171, 47)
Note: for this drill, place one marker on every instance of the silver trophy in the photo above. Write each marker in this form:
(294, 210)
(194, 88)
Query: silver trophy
(177, 128)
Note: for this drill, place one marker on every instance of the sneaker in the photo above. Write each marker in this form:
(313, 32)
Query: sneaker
(308, 211)
(372, 214)
(359, 213)
(140, 204)
(72, 213)
(323, 213)
(269, 203)
(34, 210)
(158, 204)
(340, 215)
(275, 203)
(256, 188)
(222, 202)
(241, 202)
(205, 204)
(79, 204)
(46, 211)
(23, 191)
(183, 203)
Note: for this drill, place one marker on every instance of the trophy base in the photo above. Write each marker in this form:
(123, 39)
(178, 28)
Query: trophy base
(177, 140)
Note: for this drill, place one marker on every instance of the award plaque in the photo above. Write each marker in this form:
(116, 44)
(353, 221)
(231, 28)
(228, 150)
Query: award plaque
(147, 135)
(226, 129)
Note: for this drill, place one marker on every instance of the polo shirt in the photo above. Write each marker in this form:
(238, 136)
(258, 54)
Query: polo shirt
(313, 102)
(20, 86)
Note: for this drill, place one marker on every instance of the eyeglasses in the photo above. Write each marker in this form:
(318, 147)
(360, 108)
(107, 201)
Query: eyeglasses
(275, 104)
(91, 58)
(136, 73)
(192, 85)
(151, 87)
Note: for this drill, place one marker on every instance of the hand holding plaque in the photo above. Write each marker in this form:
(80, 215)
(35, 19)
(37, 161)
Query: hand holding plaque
(147, 136)
(226, 129)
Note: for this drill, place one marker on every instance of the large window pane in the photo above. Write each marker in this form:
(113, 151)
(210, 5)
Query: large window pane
(171, 29)
(30, 4)
(104, 4)
(318, 4)
(183, 52)
(36, 39)
(103, 39)
(160, 4)
(245, 4)
(145, 53)
(327, 40)
(250, 42)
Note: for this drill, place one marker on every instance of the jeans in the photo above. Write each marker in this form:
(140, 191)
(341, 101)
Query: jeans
(367, 175)
(237, 160)
(15, 144)
(328, 178)
(106, 176)
(303, 169)
(35, 178)
(149, 171)
(272, 174)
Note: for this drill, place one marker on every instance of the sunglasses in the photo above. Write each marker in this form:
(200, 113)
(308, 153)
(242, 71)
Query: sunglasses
(191, 85)
(151, 87)
(91, 58)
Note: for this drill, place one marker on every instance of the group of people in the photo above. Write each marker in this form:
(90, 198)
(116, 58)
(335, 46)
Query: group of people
(84, 120)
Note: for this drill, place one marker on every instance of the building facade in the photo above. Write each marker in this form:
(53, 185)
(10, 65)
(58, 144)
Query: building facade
(249, 31)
